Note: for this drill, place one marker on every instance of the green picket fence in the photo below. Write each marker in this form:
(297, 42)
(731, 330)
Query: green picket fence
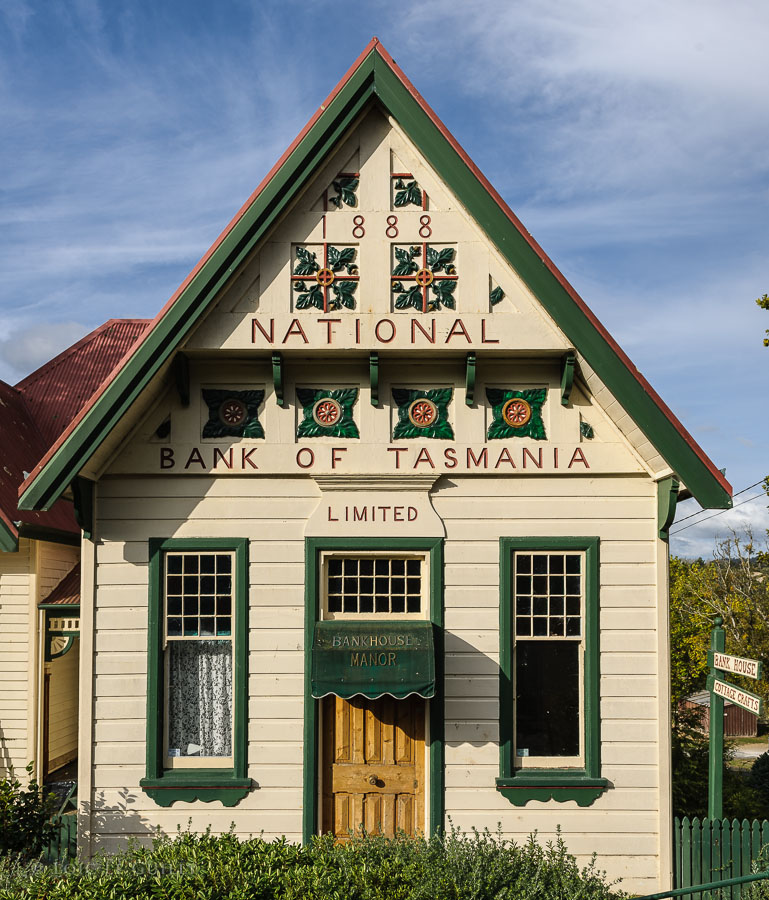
(714, 850)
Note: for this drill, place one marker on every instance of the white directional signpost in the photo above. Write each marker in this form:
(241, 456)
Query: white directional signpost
(720, 690)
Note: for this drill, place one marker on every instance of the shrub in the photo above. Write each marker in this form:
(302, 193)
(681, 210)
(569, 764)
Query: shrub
(25, 816)
(208, 867)
(759, 778)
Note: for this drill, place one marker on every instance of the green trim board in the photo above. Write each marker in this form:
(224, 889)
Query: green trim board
(583, 784)
(52, 535)
(228, 785)
(375, 76)
(313, 548)
(9, 540)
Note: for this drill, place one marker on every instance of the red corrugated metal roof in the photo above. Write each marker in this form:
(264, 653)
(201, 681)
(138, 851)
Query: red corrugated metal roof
(57, 391)
(67, 591)
(35, 412)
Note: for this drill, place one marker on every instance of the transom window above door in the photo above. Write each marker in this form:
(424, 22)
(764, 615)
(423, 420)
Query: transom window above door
(374, 585)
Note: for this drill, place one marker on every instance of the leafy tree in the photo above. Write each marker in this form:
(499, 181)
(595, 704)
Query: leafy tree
(763, 302)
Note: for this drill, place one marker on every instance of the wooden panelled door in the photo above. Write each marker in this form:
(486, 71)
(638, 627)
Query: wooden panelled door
(373, 766)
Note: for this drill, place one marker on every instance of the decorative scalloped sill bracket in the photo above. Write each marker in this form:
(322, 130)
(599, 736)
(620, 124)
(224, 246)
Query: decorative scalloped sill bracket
(579, 787)
(210, 786)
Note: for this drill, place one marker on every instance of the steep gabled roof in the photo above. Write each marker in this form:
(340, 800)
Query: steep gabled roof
(67, 591)
(37, 410)
(374, 77)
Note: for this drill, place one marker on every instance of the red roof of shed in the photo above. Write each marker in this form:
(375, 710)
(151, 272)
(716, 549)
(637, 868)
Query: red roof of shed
(67, 591)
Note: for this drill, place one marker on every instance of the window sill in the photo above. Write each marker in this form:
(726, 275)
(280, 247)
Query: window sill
(189, 785)
(552, 784)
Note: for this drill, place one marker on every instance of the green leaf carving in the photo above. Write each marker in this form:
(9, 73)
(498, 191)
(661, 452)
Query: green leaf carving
(499, 429)
(343, 294)
(412, 297)
(405, 264)
(345, 187)
(251, 427)
(440, 429)
(314, 297)
(496, 296)
(586, 430)
(344, 428)
(438, 259)
(343, 257)
(407, 193)
(442, 293)
(307, 262)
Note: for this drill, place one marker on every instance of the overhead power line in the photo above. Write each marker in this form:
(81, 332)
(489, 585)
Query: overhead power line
(700, 511)
(719, 513)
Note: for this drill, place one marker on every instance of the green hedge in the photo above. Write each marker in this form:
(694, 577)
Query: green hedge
(220, 867)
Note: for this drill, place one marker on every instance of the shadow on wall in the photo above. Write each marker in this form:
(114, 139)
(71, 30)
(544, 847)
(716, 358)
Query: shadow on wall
(114, 823)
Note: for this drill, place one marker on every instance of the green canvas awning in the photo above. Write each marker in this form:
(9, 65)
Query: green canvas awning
(371, 659)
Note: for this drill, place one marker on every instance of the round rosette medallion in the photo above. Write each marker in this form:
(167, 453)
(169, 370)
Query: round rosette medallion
(327, 412)
(516, 412)
(325, 277)
(233, 412)
(423, 413)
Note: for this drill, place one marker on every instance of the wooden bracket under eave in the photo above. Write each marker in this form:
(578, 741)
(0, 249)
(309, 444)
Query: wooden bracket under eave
(182, 378)
(373, 374)
(568, 364)
(82, 495)
(277, 378)
(470, 379)
(667, 499)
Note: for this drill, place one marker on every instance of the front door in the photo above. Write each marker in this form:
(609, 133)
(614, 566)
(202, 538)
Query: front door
(373, 765)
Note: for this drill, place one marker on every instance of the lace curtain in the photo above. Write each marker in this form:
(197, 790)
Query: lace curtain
(200, 698)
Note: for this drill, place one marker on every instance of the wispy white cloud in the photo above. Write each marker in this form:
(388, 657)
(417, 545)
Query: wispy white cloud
(28, 348)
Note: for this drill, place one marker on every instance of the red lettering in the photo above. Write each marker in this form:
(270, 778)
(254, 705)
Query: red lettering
(457, 329)
(537, 462)
(504, 456)
(555, 457)
(300, 454)
(450, 455)
(167, 458)
(415, 323)
(397, 513)
(579, 456)
(384, 512)
(329, 329)
(424, 456)
(483, 458)
(379, 336)
(334, 458)
(397, 451)
(245, 457)
(357, 331)
(484, 339)
(412, 513)
(330, 517)
(255, 323)
(295, 330)
(359, 516)
(218, 455)
(195, 457)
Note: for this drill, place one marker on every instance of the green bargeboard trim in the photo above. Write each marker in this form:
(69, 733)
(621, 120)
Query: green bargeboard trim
(226, 785)
(51, 535)
(312, 549)
(373, 77)
(520, 786)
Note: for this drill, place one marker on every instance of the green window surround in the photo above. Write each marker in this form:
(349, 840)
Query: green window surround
(165, 785)
(313, 550)
(582, 783)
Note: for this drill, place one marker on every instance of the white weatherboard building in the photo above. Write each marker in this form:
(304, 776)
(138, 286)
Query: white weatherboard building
(375, 523)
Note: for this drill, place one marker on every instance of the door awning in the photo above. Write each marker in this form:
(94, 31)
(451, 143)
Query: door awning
(371, 659)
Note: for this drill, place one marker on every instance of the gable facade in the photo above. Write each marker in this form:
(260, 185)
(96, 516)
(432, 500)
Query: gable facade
(375, 525)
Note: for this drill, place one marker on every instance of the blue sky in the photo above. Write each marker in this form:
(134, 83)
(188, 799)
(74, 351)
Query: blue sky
(631, 139)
